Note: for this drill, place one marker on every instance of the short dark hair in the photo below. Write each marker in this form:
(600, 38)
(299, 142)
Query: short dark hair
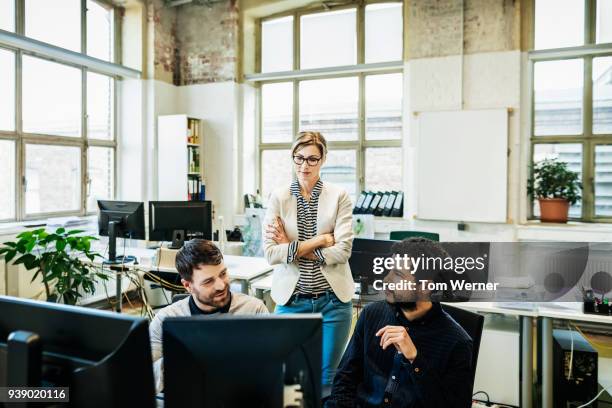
(415, 247)
(194, 253)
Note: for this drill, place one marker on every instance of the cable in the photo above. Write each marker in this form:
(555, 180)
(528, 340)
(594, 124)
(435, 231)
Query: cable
(571, 362)
(595, 399)
(483, 392)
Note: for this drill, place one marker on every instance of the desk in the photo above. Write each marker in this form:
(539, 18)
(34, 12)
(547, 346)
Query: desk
(241, 268)
(544, 311)
(569, 311)
(262, 285)
(526, 317)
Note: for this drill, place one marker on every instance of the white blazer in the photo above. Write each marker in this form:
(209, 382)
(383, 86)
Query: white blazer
(334, 215)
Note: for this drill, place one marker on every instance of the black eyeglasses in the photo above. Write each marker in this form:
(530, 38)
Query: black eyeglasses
(312, 160)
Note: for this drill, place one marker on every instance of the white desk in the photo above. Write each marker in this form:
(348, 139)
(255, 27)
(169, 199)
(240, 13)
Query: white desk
(240, 268)
(262, 285)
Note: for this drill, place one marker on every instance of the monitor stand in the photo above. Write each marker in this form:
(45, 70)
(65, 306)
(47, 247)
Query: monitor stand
(113, 230)
(364, 287)
(24, 359)
(178, 239)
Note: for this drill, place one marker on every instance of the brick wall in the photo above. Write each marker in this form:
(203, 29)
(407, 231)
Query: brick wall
(195, 44)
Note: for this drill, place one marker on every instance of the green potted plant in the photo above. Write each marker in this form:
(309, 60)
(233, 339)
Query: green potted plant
(62, 258)
(556, 187)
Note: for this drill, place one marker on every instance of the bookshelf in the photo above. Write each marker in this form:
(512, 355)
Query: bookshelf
(179, 154)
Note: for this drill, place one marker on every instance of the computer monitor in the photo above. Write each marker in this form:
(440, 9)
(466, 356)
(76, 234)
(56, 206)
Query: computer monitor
(123, 219)
(103, 358)
(178, 221)
(241, 361)
(362, 260)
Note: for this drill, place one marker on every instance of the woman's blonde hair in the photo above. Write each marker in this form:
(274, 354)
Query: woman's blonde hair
(310, 138)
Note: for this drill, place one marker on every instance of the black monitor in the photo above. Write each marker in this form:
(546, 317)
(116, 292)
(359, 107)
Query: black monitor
(178, 221)
(103, 358)
(362, 260)
(241, 361)
(123, 219)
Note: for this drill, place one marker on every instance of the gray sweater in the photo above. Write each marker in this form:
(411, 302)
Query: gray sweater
(241, 305)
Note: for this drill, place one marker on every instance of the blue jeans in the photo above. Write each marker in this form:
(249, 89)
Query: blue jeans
(337, 317)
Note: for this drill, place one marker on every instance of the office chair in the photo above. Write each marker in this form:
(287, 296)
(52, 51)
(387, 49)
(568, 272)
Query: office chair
(399, 235)
(179, 296)
(472, 323)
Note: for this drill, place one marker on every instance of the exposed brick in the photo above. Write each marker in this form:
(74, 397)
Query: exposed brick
(435, 27)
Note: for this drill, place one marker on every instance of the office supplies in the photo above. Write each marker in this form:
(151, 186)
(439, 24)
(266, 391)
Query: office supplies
(398, 205)
(374, 204)
(178, 221)
(366, 203)
(103, 358)
(246, 362)
(359, 203)
(123, 219)
(382, 204)
(389, 204)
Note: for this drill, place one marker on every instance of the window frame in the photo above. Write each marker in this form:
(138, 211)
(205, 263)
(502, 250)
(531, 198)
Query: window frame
(20, 45)
(297, 75)
(589, 141)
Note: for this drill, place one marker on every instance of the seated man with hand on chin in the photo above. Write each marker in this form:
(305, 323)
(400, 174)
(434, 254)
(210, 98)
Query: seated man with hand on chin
(406, 351)
(203, 274)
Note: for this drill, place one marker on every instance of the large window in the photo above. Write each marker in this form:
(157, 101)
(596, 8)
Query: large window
(342, 77)
(572, 97)
(57, 118)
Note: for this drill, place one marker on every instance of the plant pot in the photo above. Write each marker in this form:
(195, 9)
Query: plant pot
(553, 209)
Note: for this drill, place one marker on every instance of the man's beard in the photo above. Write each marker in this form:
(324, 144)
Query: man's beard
(212, 301)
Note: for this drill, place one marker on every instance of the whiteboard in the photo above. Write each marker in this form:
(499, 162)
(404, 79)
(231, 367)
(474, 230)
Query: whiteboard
(462, 165)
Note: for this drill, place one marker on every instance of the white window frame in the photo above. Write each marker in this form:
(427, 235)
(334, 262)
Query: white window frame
(21, 45)
(359, 70)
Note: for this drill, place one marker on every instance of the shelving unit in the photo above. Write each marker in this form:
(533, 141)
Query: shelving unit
(180, 158)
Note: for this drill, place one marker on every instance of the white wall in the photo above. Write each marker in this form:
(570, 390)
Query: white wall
(479, 81)
(217, 105)
(132, 145)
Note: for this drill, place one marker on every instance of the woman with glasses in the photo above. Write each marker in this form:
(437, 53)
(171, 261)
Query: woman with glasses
(309, 239)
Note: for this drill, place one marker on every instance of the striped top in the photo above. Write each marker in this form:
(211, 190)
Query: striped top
(311, 279)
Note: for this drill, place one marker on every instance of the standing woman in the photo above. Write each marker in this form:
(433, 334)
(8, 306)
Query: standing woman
(309, 238)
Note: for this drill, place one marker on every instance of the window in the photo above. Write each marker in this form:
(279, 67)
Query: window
(100, 30)
(277, 40)
(328, 39)
(53, 178)
(55, 22)
(7, 17)
(7, 84)
(559, 23)
(51, 107)
(572, 97)
(383, 25)
(101, 170)
(330, 106)
(7, 179)
(100, 106)
(358, 110)
(276, 170)
(276, 112)
(57, 119)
